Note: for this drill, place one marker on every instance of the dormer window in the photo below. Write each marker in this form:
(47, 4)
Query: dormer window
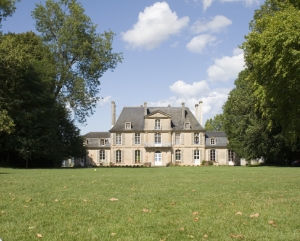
(157, 124)
(128, 125)
(213, 141)
(187, 126)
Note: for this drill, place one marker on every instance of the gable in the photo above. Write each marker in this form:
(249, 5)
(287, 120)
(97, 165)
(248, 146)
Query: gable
(158, 114)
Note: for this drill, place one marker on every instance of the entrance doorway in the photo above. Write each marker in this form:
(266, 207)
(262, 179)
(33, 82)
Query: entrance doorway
(157, 158)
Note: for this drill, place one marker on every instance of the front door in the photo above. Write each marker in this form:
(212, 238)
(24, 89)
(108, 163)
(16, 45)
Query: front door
(196, 157)
(157, 158)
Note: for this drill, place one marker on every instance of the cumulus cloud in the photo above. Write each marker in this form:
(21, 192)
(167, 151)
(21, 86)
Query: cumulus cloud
(154, 26)
(227, 67)
(184, 89)
(206, 4)
(217, 24)
(199, 43)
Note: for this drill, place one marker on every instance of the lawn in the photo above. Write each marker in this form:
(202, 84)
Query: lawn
(168, 203)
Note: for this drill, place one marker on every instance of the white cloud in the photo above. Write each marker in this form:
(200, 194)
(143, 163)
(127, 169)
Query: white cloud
(206, 4)
(183, 89)
(104, 100)
(226, 68)
(154, 26)
(198, 43)
(217, 24)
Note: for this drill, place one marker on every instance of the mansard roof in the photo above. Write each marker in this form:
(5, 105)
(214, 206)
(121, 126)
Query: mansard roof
(220, 136)
(135, 115)
(97, 135)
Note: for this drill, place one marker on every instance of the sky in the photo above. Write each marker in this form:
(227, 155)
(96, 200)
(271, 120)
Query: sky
(173, 52)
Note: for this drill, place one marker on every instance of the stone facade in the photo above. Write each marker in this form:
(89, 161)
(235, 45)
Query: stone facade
(157, 135)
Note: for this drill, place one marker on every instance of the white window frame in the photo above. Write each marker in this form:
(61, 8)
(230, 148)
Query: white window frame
(118, 139)
(213, 141)
(177, 138)
(212, 155)
(157, 138)
(137, 138)
(102, 155)
(157, 124)
(128, 125)
(230, 155)
(118, 156)
(137, 156)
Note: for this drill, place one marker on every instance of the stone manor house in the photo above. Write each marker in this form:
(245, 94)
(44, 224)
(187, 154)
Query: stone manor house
(156, 135)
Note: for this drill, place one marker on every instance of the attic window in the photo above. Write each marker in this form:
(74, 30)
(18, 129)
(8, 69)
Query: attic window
(187, 125)
(213, 141)
(127, 125)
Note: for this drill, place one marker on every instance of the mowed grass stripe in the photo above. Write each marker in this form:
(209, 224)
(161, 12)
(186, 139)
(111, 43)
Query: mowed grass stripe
(174, 203)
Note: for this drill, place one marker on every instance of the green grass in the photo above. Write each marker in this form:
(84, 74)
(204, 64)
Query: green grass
(73, 204)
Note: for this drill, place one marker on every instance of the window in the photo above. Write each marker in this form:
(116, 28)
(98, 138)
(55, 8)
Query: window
(118, 156)
(213, 141)
(102, 142)
(118, 139)
(102, 155)
(212, 155)
(196, 155)
(178, 155)
(157, 124)
(137, 138)
(230, 155)
(157, 138)
(187, 125)
(177, 139)
(137, 156)
(127, 125)
(196, 138)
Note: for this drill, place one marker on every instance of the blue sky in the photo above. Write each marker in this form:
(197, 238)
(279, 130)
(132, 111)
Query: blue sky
(174, 51)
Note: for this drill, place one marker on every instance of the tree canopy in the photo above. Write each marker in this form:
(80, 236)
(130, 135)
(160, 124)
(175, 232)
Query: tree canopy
(81, 55)
(214, 124)
(7, 8)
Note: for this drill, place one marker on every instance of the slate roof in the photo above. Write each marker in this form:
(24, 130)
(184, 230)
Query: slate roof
(135, 115)
(220, 136)
(97, 135)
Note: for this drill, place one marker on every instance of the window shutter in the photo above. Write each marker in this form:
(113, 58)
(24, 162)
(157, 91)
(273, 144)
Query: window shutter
(113, 153)
(216, 153)
(201, 139)
(192, 140)
(200, 155)
(98, 157)
(226, 156)
(113, 138)
(142, 138)
(133, 156)
(182, 138)
(141, 156)
(133, 139)
(193, 156)
(123, 139)
(174, 138)
(105, 155)
(122, 157)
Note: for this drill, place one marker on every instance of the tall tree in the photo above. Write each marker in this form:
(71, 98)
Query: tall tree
(81, 55)
(272, 53)
(214, 124)
(7, 8)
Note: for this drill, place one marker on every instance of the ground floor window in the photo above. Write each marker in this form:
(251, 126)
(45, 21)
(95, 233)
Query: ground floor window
(196, 155)
(178, 155)
(102, 155)
(230, 155)
(137, 156)
(212, 155)
(118, 156)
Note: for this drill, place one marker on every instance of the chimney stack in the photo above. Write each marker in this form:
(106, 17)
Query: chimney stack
(183, 112)
(200, 112)
(196, 111)
(145, 108)
(113, 113)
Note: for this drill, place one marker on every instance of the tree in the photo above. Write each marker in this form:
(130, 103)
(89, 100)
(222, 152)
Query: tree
(7, 8)
(81, 55)
(215, 124)
(272, 53)
(247, 128)
(43, 134)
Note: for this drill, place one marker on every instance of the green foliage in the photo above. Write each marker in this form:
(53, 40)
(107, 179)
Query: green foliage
(272, 53)
(81, 55)
(43, 134)
(7, 8)
(215, 124)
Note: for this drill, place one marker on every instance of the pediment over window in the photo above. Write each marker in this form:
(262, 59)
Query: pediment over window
(158, 114)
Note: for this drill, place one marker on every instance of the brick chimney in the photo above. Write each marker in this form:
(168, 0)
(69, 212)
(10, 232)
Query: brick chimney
(196, 112)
